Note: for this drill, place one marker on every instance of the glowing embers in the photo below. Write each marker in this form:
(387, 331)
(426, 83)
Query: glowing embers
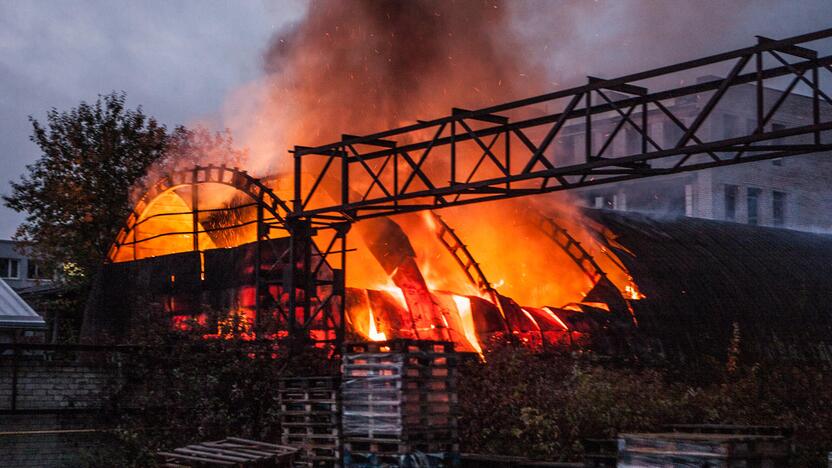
(631, 292)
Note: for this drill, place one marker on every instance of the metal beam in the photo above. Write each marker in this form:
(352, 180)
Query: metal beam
(537, 165)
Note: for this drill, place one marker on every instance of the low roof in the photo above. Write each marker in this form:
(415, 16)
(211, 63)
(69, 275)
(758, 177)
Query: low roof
(710, 282)
(15, 312)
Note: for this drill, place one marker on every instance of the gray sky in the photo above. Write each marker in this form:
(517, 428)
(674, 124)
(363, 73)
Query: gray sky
(179, 59)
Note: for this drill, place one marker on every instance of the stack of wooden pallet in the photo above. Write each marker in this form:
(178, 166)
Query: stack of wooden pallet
(399, 404)
(309, 419)
(233, 452)
(732, 448)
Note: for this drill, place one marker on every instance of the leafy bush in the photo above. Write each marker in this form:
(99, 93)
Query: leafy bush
(178, 388)
(543, 405)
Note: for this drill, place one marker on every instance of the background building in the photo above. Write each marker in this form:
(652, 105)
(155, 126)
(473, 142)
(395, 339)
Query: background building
(793, 193)
(18, 270)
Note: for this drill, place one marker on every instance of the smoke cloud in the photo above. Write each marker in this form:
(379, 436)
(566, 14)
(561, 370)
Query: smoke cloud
(364, 66)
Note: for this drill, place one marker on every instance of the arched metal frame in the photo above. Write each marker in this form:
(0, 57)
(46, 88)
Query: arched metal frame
(265, 198)
(465, 259)
(302, 253)
(550, 226)
(555, 231)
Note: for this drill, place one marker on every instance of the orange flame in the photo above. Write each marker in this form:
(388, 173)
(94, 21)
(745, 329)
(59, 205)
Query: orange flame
(374, 334)
(463, 307)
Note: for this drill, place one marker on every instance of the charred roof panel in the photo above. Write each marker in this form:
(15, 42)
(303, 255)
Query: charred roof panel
(705, 280)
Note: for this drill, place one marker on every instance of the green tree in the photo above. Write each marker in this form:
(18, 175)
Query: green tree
(76, 195)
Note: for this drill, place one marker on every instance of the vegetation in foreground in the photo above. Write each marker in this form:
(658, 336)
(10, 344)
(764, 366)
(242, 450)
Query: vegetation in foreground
(543, 405)
(179, 389)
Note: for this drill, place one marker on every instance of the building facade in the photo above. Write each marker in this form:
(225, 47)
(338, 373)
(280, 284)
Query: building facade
(792, 192)
(19, 270)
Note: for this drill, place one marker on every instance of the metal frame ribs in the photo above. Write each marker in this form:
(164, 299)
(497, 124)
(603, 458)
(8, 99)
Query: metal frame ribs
(512, 149)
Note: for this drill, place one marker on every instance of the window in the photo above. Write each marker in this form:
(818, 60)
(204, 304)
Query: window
(604, 201)
(619, 201)
(9, 268)
(688, 200)
(731, 192)
(730, 126)
(753, 202)
(778, 208)
(672, 134)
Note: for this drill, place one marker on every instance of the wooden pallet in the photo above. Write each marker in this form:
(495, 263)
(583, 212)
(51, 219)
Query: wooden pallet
(309, 430)
(310, 419)
(412, 435)
(234, 452)
(403, 383)
(309, 383)
(390, 447)
(702, 448)
(369, 365)
(730, 429)
(399, 398)
(600, 453)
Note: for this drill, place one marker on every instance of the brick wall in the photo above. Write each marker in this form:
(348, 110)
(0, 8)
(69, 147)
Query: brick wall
(55, 385)
(48, 406)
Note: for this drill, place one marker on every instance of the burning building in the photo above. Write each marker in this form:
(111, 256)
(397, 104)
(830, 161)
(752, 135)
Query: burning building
(193, 247)
(428, 257)
(690, 285)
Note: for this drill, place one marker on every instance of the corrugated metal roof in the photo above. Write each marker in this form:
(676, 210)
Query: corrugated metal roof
(15, 312)
(705, 279)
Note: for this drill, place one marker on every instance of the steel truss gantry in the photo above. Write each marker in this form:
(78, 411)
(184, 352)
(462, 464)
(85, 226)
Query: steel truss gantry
(507, 151)
(511, 150)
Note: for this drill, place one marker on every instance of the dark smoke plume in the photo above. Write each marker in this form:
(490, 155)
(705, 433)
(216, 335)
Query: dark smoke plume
(363, 66)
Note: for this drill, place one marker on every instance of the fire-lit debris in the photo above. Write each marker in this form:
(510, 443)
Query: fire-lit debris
(693, 273)
(422, 280)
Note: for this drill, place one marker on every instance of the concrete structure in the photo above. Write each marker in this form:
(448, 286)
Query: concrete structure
(18, 270)
(792, 193)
